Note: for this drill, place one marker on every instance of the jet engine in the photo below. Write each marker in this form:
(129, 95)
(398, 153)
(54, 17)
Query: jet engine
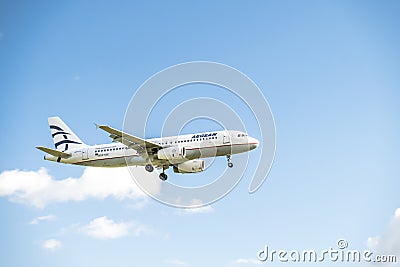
(172, 154)
(191, 166)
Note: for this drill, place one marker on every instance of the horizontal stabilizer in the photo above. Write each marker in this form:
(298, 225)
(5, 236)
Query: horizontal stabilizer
(54, 153)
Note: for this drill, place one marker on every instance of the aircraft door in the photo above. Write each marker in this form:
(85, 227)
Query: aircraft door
(227, 138)
(85, 153)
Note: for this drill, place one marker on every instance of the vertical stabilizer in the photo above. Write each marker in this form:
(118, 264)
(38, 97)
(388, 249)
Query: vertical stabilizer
(63, 137)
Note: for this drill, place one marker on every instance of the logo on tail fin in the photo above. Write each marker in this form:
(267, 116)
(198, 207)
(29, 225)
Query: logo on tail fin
(66, 141)
(63, 137)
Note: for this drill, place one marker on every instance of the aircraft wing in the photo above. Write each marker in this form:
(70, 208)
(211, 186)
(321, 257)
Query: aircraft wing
(142, 146)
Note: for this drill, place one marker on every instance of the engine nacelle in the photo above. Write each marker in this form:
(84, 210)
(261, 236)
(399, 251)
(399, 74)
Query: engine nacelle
(191, 153)
(172, 154)
(191, 166)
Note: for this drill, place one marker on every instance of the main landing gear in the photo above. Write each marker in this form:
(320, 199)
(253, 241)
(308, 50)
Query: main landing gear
(230, 164)
(163, 176)
(149, 168)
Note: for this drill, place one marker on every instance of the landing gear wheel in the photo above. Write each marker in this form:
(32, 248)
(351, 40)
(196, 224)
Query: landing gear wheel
(163, 176)
(149, 168)
(230, 164)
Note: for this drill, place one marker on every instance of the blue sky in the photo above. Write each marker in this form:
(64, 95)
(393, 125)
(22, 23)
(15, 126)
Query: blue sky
(329, 70)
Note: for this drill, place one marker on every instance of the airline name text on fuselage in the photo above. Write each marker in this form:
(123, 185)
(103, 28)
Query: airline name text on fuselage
(204, 135)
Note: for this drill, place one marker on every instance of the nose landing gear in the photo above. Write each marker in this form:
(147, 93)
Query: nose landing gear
(230, 164)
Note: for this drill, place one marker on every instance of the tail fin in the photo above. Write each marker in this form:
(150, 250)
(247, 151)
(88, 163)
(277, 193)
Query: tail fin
(63, 136)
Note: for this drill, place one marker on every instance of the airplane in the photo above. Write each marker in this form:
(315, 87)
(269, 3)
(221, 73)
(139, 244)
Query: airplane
(183, 153)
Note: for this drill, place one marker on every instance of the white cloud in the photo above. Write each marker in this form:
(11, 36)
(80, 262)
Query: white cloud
(43, 218)
(167, 236)
(140, 229)
(205, 209)
(397, 213)
(139, 205)
(196, 209)
(388, 243)
(51, 244)
(39, 188)
(176, 262)
(247, 261)
(104, 228)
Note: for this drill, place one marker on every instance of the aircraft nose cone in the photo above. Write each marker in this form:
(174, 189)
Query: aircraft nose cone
(254, 143)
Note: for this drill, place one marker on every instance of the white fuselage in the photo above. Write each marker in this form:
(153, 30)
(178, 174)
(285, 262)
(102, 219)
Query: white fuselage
(210, 144)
